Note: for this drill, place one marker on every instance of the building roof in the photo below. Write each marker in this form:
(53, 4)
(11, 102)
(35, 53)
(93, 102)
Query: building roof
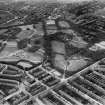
(25, 34)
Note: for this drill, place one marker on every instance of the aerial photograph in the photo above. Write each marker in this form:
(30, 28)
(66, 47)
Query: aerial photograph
(52, 52)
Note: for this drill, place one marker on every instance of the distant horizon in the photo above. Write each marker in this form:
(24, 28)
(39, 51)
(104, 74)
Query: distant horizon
(67, 1)
(72, 0)
(49, 1)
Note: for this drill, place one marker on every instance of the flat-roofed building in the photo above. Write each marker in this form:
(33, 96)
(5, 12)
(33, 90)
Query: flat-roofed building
(25, 34)
(26, 27)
